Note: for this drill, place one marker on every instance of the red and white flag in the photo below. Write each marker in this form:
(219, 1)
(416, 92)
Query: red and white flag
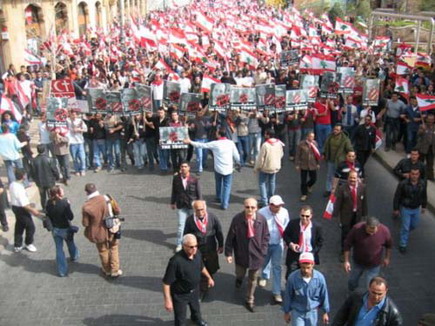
(204, 22)
(322, 63)
(381, 41)
(403, 68)
(31, 59)
(329, 207)
(425, 102)
(176, 35)
(161, 64)
(206, 83)
(402, 86)
(6, 104)
(342, 27)
(423, 60)
(248, 57)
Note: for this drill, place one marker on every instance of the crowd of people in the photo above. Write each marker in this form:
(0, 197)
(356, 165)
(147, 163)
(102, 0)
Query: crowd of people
(339, 130)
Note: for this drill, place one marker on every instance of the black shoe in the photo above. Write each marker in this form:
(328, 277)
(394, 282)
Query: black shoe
(250, 306)
(200, 322)
(238, 284)
(402, 250)
(326, 194)
(5, 228)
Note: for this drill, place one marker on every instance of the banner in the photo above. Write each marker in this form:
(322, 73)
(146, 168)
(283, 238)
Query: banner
(265, 95)
(311, 84)
(190, 103)
(371, 92)
(243, 98)
(130, 101)
(57, 112)
(280, 95)
(171, 93)
(346, 80)
(289, 58)
(219, 97)
(64, 88)
(97, 100)
(144, 95)
(296, 99)
(328, 85)
(172, 137)
(114, 103)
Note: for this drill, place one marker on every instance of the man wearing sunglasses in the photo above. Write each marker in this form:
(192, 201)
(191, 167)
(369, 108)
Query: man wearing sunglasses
(181, 282)
(248, 236)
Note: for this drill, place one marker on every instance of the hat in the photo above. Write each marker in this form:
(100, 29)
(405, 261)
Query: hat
(427, 320)
(306, 257)
(276, 200)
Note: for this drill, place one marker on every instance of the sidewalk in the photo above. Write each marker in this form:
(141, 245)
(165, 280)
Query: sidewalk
(389, 161)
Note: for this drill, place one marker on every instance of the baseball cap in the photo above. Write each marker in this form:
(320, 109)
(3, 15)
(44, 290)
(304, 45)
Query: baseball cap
(276, 200)
(306, 257)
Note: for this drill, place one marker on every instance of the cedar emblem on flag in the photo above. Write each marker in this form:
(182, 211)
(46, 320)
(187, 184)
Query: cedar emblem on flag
(425, 102)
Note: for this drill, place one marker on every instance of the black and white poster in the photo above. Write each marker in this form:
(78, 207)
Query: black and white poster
(57, 112)
(311, 84)
(130, 101)
(144, 95)
(243, 98)
(114, 103)
(171, 93)
(219, 97)
(265, 96)
(172, 137)
(297, 99)
(190, 103)
(289, 58)
(97, 100)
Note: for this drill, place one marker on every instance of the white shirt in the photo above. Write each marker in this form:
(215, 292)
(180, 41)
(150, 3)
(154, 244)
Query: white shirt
(283, 217)
(185, 85)
(224, 152)
(18, 194)
(158, 92)
(44, 134)
(76, 137)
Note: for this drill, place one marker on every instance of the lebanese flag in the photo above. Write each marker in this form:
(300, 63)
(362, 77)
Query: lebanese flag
(381, 41)
(425, 102)
(32, 59)
(402, 86)
(177, 51)
(402, 68)
(352, 44)
(423, 60)
(306, 63)
(248, 57)
(342, 27)
(322, 63)
(204, 22)
(176, 35)
(329, 207)
(6, 104)
(147, 38)
(206, 83)
(161, 64)
(403, 49)
(22, 97)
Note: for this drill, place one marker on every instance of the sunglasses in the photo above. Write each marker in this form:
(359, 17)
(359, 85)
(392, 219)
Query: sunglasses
(250, 207)
(305, 215)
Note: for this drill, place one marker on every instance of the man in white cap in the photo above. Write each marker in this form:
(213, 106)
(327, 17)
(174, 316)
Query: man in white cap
(277, 218)
(306, 291)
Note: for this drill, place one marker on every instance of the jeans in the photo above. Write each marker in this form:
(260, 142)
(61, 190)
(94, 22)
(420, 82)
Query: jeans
(157, 104)
(331, 167)
(410, 220)
(243, 147)
(254, 144)
(177, 157)
(294, 138)
(267, 183)
(223, 188)
(59, 236)
(411, 140)
(164, 158)
(392, 127)
(113, 147)
(140, 152)
(356, 273)
(23, 222)
(201, 155)
(78, 156)
(182, 214)
(151, 145)
(304, 318)
(89, 151)
(312, 174)
(11, 166)
(126, 149)
(99, 149)
(273, 261)
(63, 161)
(322, 132)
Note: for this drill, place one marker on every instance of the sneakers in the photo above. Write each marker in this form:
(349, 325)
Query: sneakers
(18, 249)
(97, 169)
(178, 248)
(238, 283)
(117, 274)
(303, 197)
(31, 248)
(277, 298)
(262, 282)
(83, 173)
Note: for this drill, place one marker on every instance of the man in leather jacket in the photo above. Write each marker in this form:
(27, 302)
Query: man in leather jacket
(373, 307)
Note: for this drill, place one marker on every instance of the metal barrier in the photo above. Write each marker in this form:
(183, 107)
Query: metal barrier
(378, 14)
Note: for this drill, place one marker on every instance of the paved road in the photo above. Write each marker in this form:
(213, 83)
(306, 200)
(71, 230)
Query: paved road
(32, 294)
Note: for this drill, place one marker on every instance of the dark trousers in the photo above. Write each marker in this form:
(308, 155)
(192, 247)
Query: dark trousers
(363, 156)
(126, 149)
(177, 156)
(180, 302)
(345, 229)
(428, 158)
(3, 204)
(392, 128)
(23, 222)
(151, 145)
(63, 161)
(304, 176)
(43, 194)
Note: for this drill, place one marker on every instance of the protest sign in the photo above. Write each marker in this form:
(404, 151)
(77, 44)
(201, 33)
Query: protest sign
(171, 93)
(265, 96)
(311, 84)
(130, 101)
(144, 95)
(64, 88)
(371, 92)
(114, 103)
(243, 98)
(219, 97)
(172, 137)
(280, 98)
(57, 112)
(190, 103)
(97, 100)
(296, 99)
(289, 58)
(328, 85)
(346, 80)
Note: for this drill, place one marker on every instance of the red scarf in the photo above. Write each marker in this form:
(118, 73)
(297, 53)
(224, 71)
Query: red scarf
(222, 138)
(301, 235)
(279, 225)
(273, 141)
(353, 192)
(201, 224)
(251, 231)
(315, 150)
(351, 165)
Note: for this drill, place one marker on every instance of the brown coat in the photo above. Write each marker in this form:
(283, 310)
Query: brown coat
(343, 206)
(60, 144)
(94, 211)
(305, 158)
(426, 139)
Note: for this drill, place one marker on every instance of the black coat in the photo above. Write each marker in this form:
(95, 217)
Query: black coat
(364, 139)
(389, 315)
(291, 234)
(181, 197)
(44, 171)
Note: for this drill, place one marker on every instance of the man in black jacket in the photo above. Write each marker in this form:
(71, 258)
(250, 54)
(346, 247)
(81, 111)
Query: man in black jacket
(404, 167)
(207, 229)
(45, 173)
(185, 189)
(374, 305)
(410, 199)
(364, 140)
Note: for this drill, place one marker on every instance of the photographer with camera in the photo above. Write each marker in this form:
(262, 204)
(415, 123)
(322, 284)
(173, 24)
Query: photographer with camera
(95, 211)
(58, 210)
